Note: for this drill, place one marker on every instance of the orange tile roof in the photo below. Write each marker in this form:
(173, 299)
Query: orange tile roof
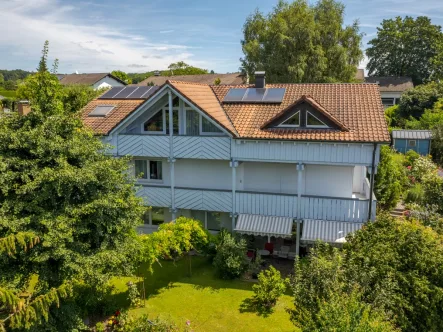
(356, 106)
(203, 98)
(103, 125)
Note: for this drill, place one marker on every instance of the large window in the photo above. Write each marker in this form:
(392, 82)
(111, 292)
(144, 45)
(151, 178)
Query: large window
(211, 220)
(175, 124)
(155, 124)
(209, 128)
(148, 169)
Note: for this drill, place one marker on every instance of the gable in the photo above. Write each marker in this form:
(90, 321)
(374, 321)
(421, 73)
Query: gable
(305, 113)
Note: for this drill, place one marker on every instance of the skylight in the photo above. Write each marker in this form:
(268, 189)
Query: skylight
(101, 111)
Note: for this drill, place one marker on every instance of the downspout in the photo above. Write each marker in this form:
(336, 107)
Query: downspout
(371, 186)
(171, 156)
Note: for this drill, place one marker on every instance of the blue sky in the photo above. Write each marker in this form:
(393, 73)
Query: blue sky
(143, 35)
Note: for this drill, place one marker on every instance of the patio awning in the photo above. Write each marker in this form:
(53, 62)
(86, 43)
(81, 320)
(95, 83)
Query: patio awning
(327, 231)
(264, 225)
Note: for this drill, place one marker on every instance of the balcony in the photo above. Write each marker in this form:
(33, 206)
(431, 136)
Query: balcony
(194, 147)
(310, 207)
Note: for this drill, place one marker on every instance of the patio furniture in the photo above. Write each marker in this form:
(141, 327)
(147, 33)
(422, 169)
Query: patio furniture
(263, 252)
(284, 251)
(270, 247)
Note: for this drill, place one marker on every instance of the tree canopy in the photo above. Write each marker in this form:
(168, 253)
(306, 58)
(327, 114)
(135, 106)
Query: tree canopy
(122, 76)
(407, 47)
(58, 182)
(300, 43)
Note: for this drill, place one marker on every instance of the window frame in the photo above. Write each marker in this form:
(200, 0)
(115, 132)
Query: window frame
(409, 143)
(148, 168)
(151, 132)
(324, 126)
(149, 212)
(283, 125)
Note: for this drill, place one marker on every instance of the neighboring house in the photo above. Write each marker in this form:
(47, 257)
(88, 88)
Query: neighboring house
(417, 140)
(391, 88)
(251, 158)
(226, 79)
(97, 81)
(360, 75)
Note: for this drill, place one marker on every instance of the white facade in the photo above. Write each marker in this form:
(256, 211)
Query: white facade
(217, 177)
(107, 82)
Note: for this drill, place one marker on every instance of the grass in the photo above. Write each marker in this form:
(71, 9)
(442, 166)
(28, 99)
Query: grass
(210, 304)
(7, 93)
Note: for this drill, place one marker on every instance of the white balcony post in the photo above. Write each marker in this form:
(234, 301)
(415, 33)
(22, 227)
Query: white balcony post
(171, 156)
(234, 165)
(300, 169)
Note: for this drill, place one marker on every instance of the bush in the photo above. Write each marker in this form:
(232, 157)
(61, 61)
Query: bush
(388, 180)
(269, 288)
(144, 324)
(410, 157)
(422, 166)
(415, 195)
(230, 260)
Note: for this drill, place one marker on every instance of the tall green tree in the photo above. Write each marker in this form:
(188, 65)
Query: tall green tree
(182, 68)
(57, 181)
(122, 76)
(407, 47)
(300, 43)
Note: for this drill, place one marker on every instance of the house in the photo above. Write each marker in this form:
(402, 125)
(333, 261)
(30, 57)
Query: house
(417, 140)
(210, 79)
(259, 159)
(360, 75)
(391, 88)
(97, 81)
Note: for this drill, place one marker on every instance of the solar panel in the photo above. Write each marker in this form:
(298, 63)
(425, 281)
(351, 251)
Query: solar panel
(125, 92)
(111, 93)
(101, 110)
(150, 92)
(234, 95)
(274, 95)
(254, 95)
(140, 92)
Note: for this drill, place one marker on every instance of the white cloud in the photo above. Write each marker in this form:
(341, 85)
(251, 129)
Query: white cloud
(78, 46)
(167, 31)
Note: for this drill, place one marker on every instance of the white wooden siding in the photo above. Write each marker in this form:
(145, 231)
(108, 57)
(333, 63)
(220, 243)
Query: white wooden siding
(155, 196)
(200, 147)
(334, 209)
(143, 145)
(266, 204)
(354, 154)
(206, 200)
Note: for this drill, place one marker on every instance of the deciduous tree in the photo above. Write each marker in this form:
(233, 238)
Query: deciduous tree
(407, 47)
(299, 43)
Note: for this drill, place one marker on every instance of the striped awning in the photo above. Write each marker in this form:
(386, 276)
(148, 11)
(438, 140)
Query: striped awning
(327, 231)
(264, 225)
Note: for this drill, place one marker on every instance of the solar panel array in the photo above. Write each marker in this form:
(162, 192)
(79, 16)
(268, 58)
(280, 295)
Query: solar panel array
(254, 95)
(130, 92)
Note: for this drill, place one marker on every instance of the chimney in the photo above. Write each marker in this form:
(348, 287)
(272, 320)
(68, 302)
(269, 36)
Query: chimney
(156, 73)
(23, 107)
(260, 79)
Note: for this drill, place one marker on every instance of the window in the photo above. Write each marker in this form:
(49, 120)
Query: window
(213, 221)
(155, 123)
(199, 215)
(293, 121)
(154, 172)
(174, 122)
(101, 111)
(192, 123)
(155, 216)
(209, 127)
(388, 102)
(312, 121)
(412, 143)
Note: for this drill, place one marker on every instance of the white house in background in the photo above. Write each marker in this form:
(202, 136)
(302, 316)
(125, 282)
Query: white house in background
(391, 88)
(96, 80)
(258, 159)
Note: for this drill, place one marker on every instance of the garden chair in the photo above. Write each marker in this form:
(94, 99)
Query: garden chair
(284, 251)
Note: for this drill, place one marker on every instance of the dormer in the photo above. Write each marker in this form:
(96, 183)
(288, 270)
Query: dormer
(305, 113)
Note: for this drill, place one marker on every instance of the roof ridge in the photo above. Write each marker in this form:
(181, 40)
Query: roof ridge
(186, 82)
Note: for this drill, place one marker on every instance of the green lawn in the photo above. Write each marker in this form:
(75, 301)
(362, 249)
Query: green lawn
(209, 303)
(7, 93)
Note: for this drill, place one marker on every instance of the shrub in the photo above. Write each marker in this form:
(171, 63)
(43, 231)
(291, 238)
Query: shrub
(144, 324)
(415, 194)
(410, 157)
(422, 166)
(269, 288)
(230, 260)
(133, 294)
(433, 191)
(100, 327)
(388, 180)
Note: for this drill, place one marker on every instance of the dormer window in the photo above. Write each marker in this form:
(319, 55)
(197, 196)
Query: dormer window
(293, 121)
(314, 122)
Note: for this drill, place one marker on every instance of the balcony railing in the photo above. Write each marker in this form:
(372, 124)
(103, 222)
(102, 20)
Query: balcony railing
(195, 147)
(271, 204)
